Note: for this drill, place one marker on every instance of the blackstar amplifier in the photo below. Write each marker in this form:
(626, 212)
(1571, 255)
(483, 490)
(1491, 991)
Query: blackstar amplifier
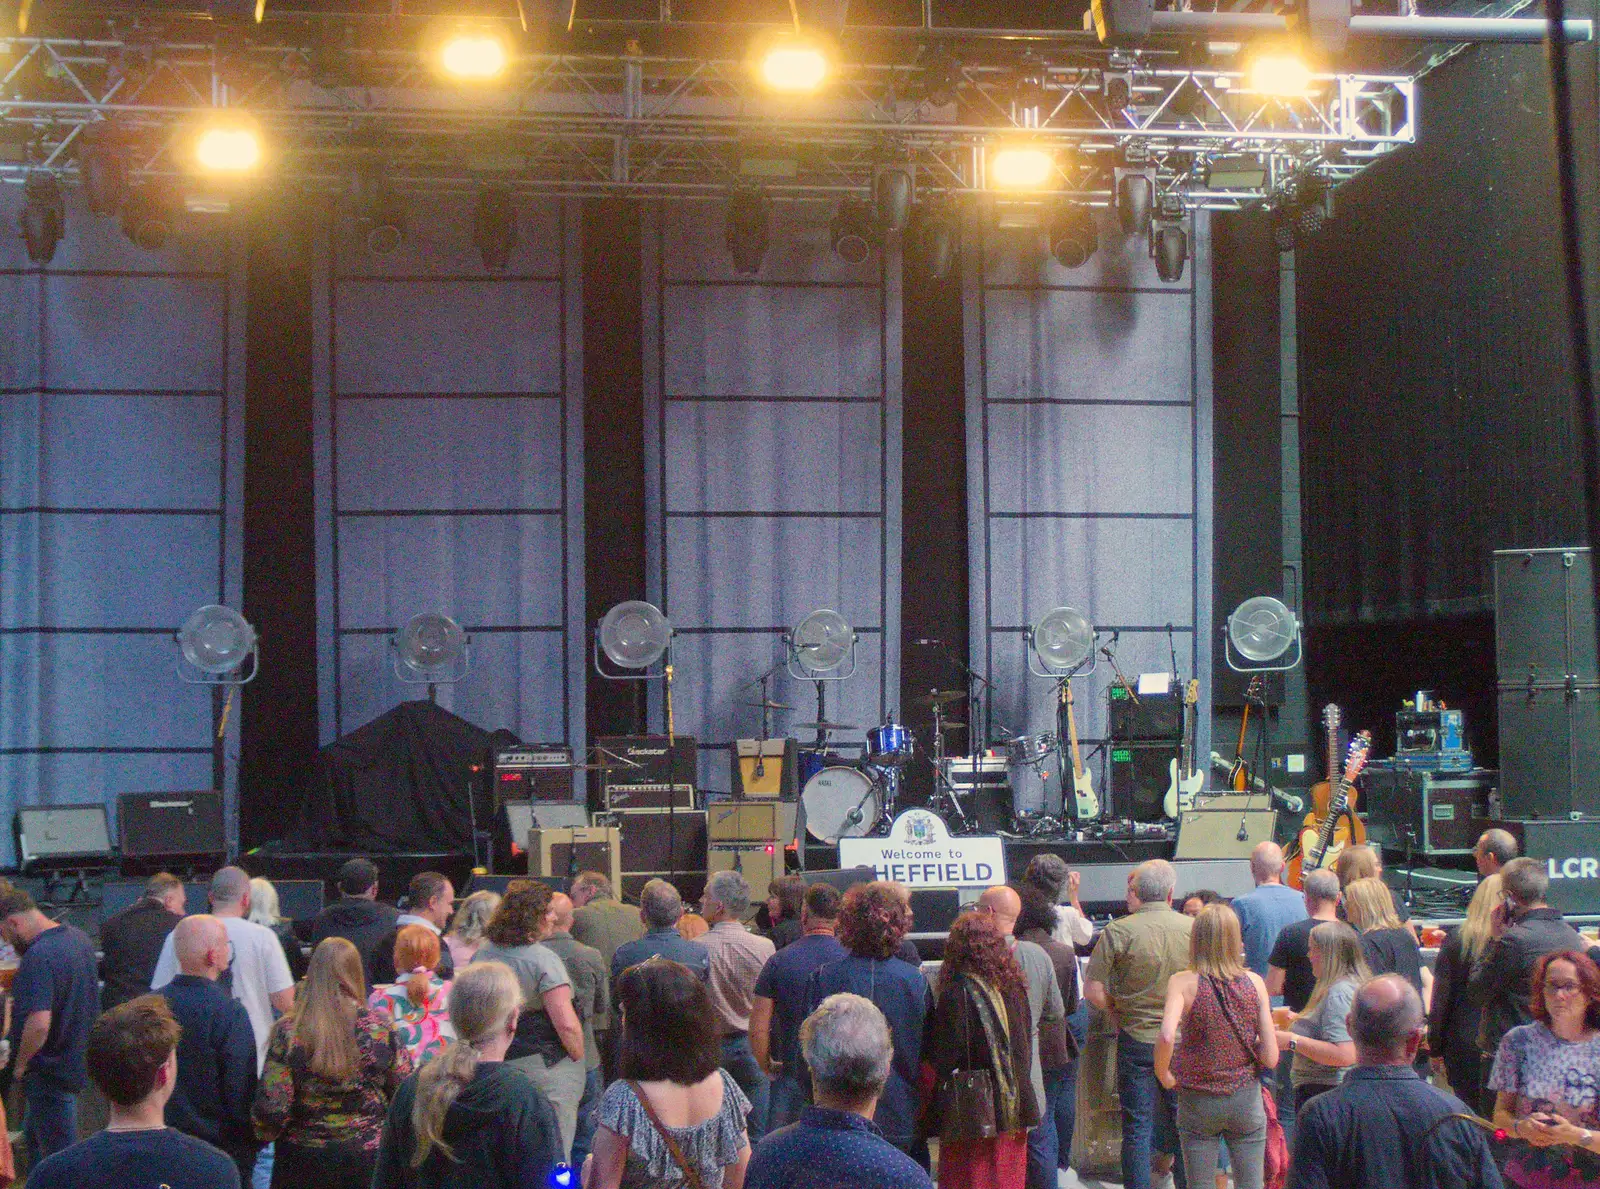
(1152, 717)
(646, 759)
(542, 772)
(156, 827)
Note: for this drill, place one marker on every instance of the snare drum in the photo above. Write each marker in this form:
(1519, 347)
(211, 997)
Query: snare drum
(1031, 749)
(890, 745)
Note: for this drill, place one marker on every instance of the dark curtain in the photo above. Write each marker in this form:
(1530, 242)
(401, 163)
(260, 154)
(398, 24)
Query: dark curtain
(1436, 384)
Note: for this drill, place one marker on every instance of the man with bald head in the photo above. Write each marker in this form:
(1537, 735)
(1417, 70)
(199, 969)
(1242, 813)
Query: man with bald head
(1267, 911)
(1376, 1130)
(1495, 849)
(1045, 1006)
(591, 998)
(217, 1051)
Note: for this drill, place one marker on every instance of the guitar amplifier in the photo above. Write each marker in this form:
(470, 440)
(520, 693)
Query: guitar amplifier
(751, 821)
(1139, 779)
(636, 798)
(647, 759)
(765, 768)
(1154, 717)
(564, 853)
(539, 773)
(157, 827)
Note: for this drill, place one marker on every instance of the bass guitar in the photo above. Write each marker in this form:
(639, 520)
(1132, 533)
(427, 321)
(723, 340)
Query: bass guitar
(1184, 780)
(1086, 803)
(1332, 824)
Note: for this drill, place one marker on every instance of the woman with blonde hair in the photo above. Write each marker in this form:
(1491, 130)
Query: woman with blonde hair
(465, 935)
(264, 911)
(415, 1004)
(1216, 1034)
(467, 1120)
(1357, 862)
(1390, 947)
(1456, 1012)
(332, 1066)
(1319, 1037)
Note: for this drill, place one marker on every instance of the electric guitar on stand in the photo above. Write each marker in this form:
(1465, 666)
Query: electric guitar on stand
(1184, 780)
(1332, 825)
(1084, 799)
(1239, 774)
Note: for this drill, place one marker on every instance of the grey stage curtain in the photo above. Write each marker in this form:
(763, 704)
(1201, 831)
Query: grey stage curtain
(121, 447)
(772, 410)
(449, 467)
(1089, 464)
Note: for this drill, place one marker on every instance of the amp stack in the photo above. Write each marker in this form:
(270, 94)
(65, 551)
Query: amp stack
(647, 785)
(1146, 734)
(1548, 681)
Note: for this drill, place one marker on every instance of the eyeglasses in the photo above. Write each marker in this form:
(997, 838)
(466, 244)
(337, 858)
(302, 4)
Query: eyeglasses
(1563, 988)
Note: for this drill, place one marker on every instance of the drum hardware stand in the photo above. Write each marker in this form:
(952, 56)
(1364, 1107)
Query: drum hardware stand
(943, 788)
(977, 703)
(765, 681)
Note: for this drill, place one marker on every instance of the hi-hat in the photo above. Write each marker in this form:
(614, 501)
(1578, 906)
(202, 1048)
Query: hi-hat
(825, 726)
(939, 697)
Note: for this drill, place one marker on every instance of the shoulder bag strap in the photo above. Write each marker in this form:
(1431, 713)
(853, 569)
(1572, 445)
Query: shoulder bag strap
(1220, 991)
(690, 1176)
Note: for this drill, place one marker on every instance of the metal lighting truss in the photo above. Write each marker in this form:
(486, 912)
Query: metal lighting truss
(640, 124)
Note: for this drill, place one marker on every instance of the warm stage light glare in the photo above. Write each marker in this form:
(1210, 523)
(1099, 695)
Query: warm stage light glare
(1278, 73)
(794, 66)
(473, 56)
(228, 148)
(1020, 167)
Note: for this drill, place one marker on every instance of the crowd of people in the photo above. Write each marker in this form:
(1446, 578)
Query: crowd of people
(1287, 1034)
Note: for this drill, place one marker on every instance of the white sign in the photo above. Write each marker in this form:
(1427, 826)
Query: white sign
(919, 852)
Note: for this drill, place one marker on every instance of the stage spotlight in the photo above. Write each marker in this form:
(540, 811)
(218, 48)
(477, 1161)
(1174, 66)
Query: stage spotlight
(892, 193)
(1021, 167)
(634, 635)
(1261, 630)
(44, 216)
(1073, 235)
(1134, 198)
(819, 646)
(1170, 246)
(103, 170)
(1279, 73)
(1060, 642)
(851, 231)
(1118, 90)
(146, 219)
(933, 232)
(431, 649)
(745, 230)
(494, 227)
(230, 145)
(214, 643)
(793, 63)
(473, 55)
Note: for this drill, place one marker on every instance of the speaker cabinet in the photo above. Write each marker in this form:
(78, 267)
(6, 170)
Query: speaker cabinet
(155, 828)
(656, 842)
(62, 835)
(564, 853)
(1214, 834)
(1139, 779)
(757, 821)
(776, 760)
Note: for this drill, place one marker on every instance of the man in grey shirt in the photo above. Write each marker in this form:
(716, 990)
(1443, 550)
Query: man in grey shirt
(1045, 1005)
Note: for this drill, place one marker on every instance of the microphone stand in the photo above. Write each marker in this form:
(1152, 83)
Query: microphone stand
(975, 703)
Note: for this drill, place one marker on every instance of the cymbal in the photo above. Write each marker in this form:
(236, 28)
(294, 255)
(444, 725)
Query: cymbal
(954, 726)
(939, 697)
(769, 704)
(824, 726)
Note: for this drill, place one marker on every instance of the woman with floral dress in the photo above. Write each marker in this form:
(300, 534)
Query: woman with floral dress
(418, 1004)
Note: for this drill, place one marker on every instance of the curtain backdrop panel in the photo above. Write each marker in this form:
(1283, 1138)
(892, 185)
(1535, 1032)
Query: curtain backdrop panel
(449, 439)
(772, 428)
(1089, 464)
(121, 446)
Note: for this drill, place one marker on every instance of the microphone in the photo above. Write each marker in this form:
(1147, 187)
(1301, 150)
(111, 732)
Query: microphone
(1244, 833)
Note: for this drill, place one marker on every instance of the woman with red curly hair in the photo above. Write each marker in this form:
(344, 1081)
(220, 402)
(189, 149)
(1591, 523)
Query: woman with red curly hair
(874, 919)
(982, 1025)
(1547, 1077)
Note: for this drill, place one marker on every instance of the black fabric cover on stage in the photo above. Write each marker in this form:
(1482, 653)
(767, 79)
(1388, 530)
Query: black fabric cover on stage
(403, 782)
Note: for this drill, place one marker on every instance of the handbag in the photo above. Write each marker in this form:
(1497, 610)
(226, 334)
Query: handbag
(691, 1176)
(965, 1100)
(1275, 1159)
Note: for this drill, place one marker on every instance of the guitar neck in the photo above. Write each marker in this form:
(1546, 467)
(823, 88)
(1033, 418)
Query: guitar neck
(1072, 738)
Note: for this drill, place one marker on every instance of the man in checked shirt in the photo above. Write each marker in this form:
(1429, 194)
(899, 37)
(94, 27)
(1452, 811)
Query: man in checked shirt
(737, 956)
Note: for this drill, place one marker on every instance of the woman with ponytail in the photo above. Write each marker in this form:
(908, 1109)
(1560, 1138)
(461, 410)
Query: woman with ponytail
(332, 1066)
(416, 1003)
(467, 1120)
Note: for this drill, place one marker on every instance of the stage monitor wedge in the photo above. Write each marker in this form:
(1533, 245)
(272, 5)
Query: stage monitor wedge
(63, 836)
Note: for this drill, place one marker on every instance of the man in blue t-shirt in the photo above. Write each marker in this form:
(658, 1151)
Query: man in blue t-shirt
(133, 1059)
(55, 999)
(780, 1004)
(1264, 912)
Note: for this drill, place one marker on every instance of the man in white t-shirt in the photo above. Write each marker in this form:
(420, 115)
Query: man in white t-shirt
(259, 972)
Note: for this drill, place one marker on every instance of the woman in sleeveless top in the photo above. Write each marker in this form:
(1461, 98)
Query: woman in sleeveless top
(674, 1118)
(1216, 1032)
